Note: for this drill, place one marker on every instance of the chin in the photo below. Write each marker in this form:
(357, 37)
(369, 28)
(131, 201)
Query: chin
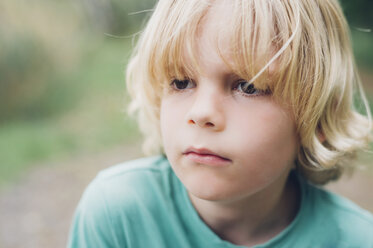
(209, 197)
(210, 191)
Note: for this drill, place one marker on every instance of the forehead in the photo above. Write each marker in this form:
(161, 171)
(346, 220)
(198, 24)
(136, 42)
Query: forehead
(212, 42)
(215, 29)
(225, 31)
(218, 43)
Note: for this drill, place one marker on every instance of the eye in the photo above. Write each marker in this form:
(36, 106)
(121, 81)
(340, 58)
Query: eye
(182, 84)
(249, 89)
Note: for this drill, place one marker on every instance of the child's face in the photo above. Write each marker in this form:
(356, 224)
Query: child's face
(222, 142)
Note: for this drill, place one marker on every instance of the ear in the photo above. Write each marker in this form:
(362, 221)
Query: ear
(321, 135)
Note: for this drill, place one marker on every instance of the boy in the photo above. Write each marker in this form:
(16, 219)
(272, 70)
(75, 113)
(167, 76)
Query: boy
(251, 103)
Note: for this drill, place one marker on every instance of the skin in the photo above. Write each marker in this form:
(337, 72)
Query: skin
(245, 198)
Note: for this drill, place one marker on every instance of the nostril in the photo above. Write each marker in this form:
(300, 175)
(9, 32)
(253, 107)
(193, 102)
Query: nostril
(191, 122)
(209, 124)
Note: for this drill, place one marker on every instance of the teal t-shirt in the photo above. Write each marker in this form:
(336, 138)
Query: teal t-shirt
(142, 204)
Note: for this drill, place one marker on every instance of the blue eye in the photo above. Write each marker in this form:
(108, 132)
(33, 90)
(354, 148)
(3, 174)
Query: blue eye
(182, 84)
(249, 89)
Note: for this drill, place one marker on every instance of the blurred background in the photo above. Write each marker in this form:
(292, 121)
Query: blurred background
(63, 100)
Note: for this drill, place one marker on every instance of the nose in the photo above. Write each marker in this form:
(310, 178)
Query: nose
(207, 110)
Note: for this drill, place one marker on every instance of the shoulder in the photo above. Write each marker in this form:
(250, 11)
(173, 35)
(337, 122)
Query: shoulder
(115, 199)
(336, 205)
(119, 191)
(340, 218)
(153, 164)
(132, 171)
(136, 180)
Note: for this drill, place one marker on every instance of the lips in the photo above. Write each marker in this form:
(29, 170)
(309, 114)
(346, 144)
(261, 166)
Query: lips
(206, 157)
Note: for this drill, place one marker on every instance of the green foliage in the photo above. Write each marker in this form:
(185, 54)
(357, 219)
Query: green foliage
(24, 68)
(128, 15)
(97, 121)
(36, 55)
(359, 12)
(363, 47)
(118, 17)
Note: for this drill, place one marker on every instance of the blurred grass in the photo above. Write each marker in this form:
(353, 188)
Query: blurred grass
(96, 121)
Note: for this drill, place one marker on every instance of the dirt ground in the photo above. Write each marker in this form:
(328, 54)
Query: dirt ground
(36, 211)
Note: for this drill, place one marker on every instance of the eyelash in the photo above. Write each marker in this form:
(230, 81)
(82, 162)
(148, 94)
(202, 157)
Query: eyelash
(175, 81)
(238, 87)
(251, 86)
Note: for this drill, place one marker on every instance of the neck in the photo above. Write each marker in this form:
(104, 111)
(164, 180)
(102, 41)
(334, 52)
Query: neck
(251, 220)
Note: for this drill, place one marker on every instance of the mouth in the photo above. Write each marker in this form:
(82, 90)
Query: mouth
(206, 157)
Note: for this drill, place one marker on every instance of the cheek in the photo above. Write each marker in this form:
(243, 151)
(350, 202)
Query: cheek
(265, 147)
(166, 122)
(266, 135)
(171, 121)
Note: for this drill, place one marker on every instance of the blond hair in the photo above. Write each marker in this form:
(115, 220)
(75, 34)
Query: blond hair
(314, 72)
